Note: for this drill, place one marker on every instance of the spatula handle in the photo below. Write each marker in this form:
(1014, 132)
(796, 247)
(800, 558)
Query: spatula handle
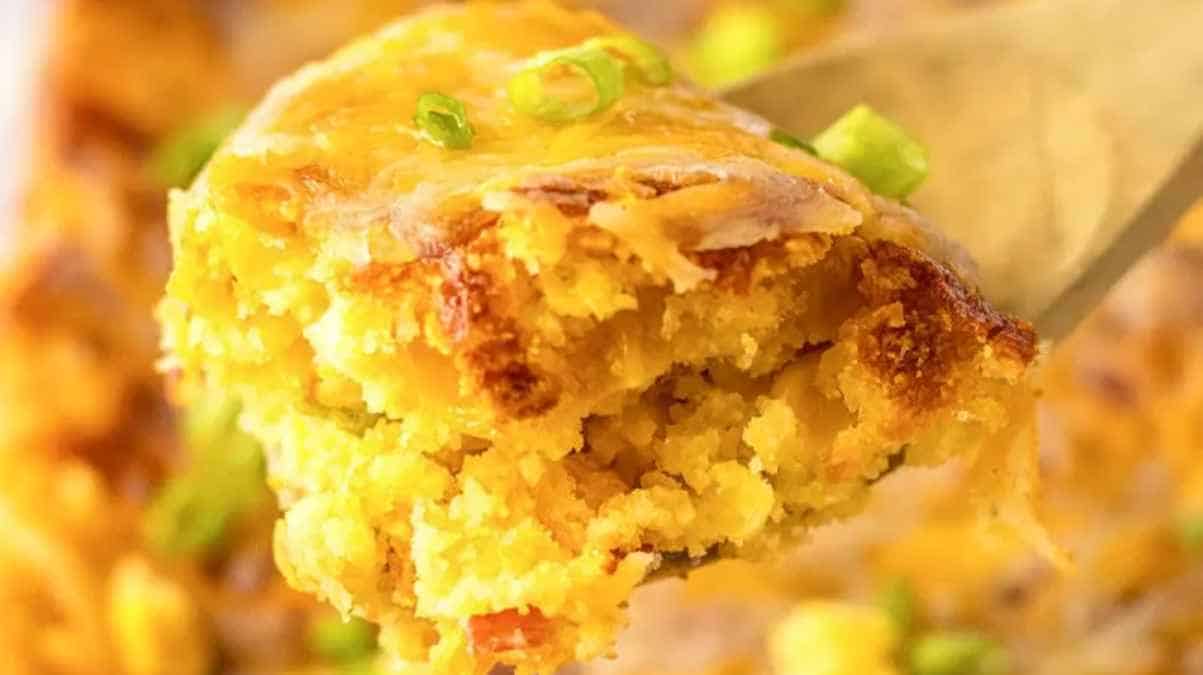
(1149, 228)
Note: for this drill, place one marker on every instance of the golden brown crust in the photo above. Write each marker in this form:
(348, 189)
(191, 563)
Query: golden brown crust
(737, 267)
(927, 319)
(926, 323)
(489, 343)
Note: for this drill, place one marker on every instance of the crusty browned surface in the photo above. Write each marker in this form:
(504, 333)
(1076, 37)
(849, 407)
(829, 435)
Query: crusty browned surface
(931, 319)
(489, 341)
(930, 322)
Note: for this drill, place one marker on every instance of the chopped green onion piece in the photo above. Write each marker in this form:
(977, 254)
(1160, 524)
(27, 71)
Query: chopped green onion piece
(875, 150)
(653, 66)
(184, 522)
(957, 653)
(177, 160)
(1190, 533)
(898, 600)
(342, 642)
(791, 141)
(549, 86)
(444, 121)
(192, 513)
(736, 42)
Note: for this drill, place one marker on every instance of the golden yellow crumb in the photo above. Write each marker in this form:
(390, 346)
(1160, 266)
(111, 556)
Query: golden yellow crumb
(500, 386)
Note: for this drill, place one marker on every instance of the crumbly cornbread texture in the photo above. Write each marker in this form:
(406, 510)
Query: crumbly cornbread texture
(500, 386)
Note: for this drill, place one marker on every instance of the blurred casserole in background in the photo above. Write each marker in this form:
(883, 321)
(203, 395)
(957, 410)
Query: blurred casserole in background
(136, 537)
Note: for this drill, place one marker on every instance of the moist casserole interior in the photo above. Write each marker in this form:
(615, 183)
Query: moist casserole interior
(500, 386)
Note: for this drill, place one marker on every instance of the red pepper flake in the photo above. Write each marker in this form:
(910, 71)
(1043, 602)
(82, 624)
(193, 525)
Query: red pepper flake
(509, 630)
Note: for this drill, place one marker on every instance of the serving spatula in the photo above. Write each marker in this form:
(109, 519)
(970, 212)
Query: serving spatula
(1064, 135)
(1066, 138)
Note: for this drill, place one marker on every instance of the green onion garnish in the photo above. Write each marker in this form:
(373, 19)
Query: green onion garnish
(192, 513)
(567, 84)
(737, 42)
(185, 521)
(875, 150)
(177, 160)
(444, 121)
(342, 642)
(898, 600)
(790, 141)
(652, 66)
(957, 653)
(1190, 534)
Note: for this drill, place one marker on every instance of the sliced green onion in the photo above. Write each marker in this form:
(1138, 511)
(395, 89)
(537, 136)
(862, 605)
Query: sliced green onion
(444, 121)
(653, 67)
(342, 642)
(898, 600)
(877, 151)
(535, 89)
(957, 653)
(192, 513)
(177, 160)
(1190, 534)
(790, 141)
(736, 42)
(184, 521)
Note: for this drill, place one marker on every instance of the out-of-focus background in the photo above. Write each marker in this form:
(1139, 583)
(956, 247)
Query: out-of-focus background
(22, 31)
(135, 537)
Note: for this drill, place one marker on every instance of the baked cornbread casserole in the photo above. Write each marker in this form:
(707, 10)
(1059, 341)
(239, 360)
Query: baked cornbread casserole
(520, 318)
